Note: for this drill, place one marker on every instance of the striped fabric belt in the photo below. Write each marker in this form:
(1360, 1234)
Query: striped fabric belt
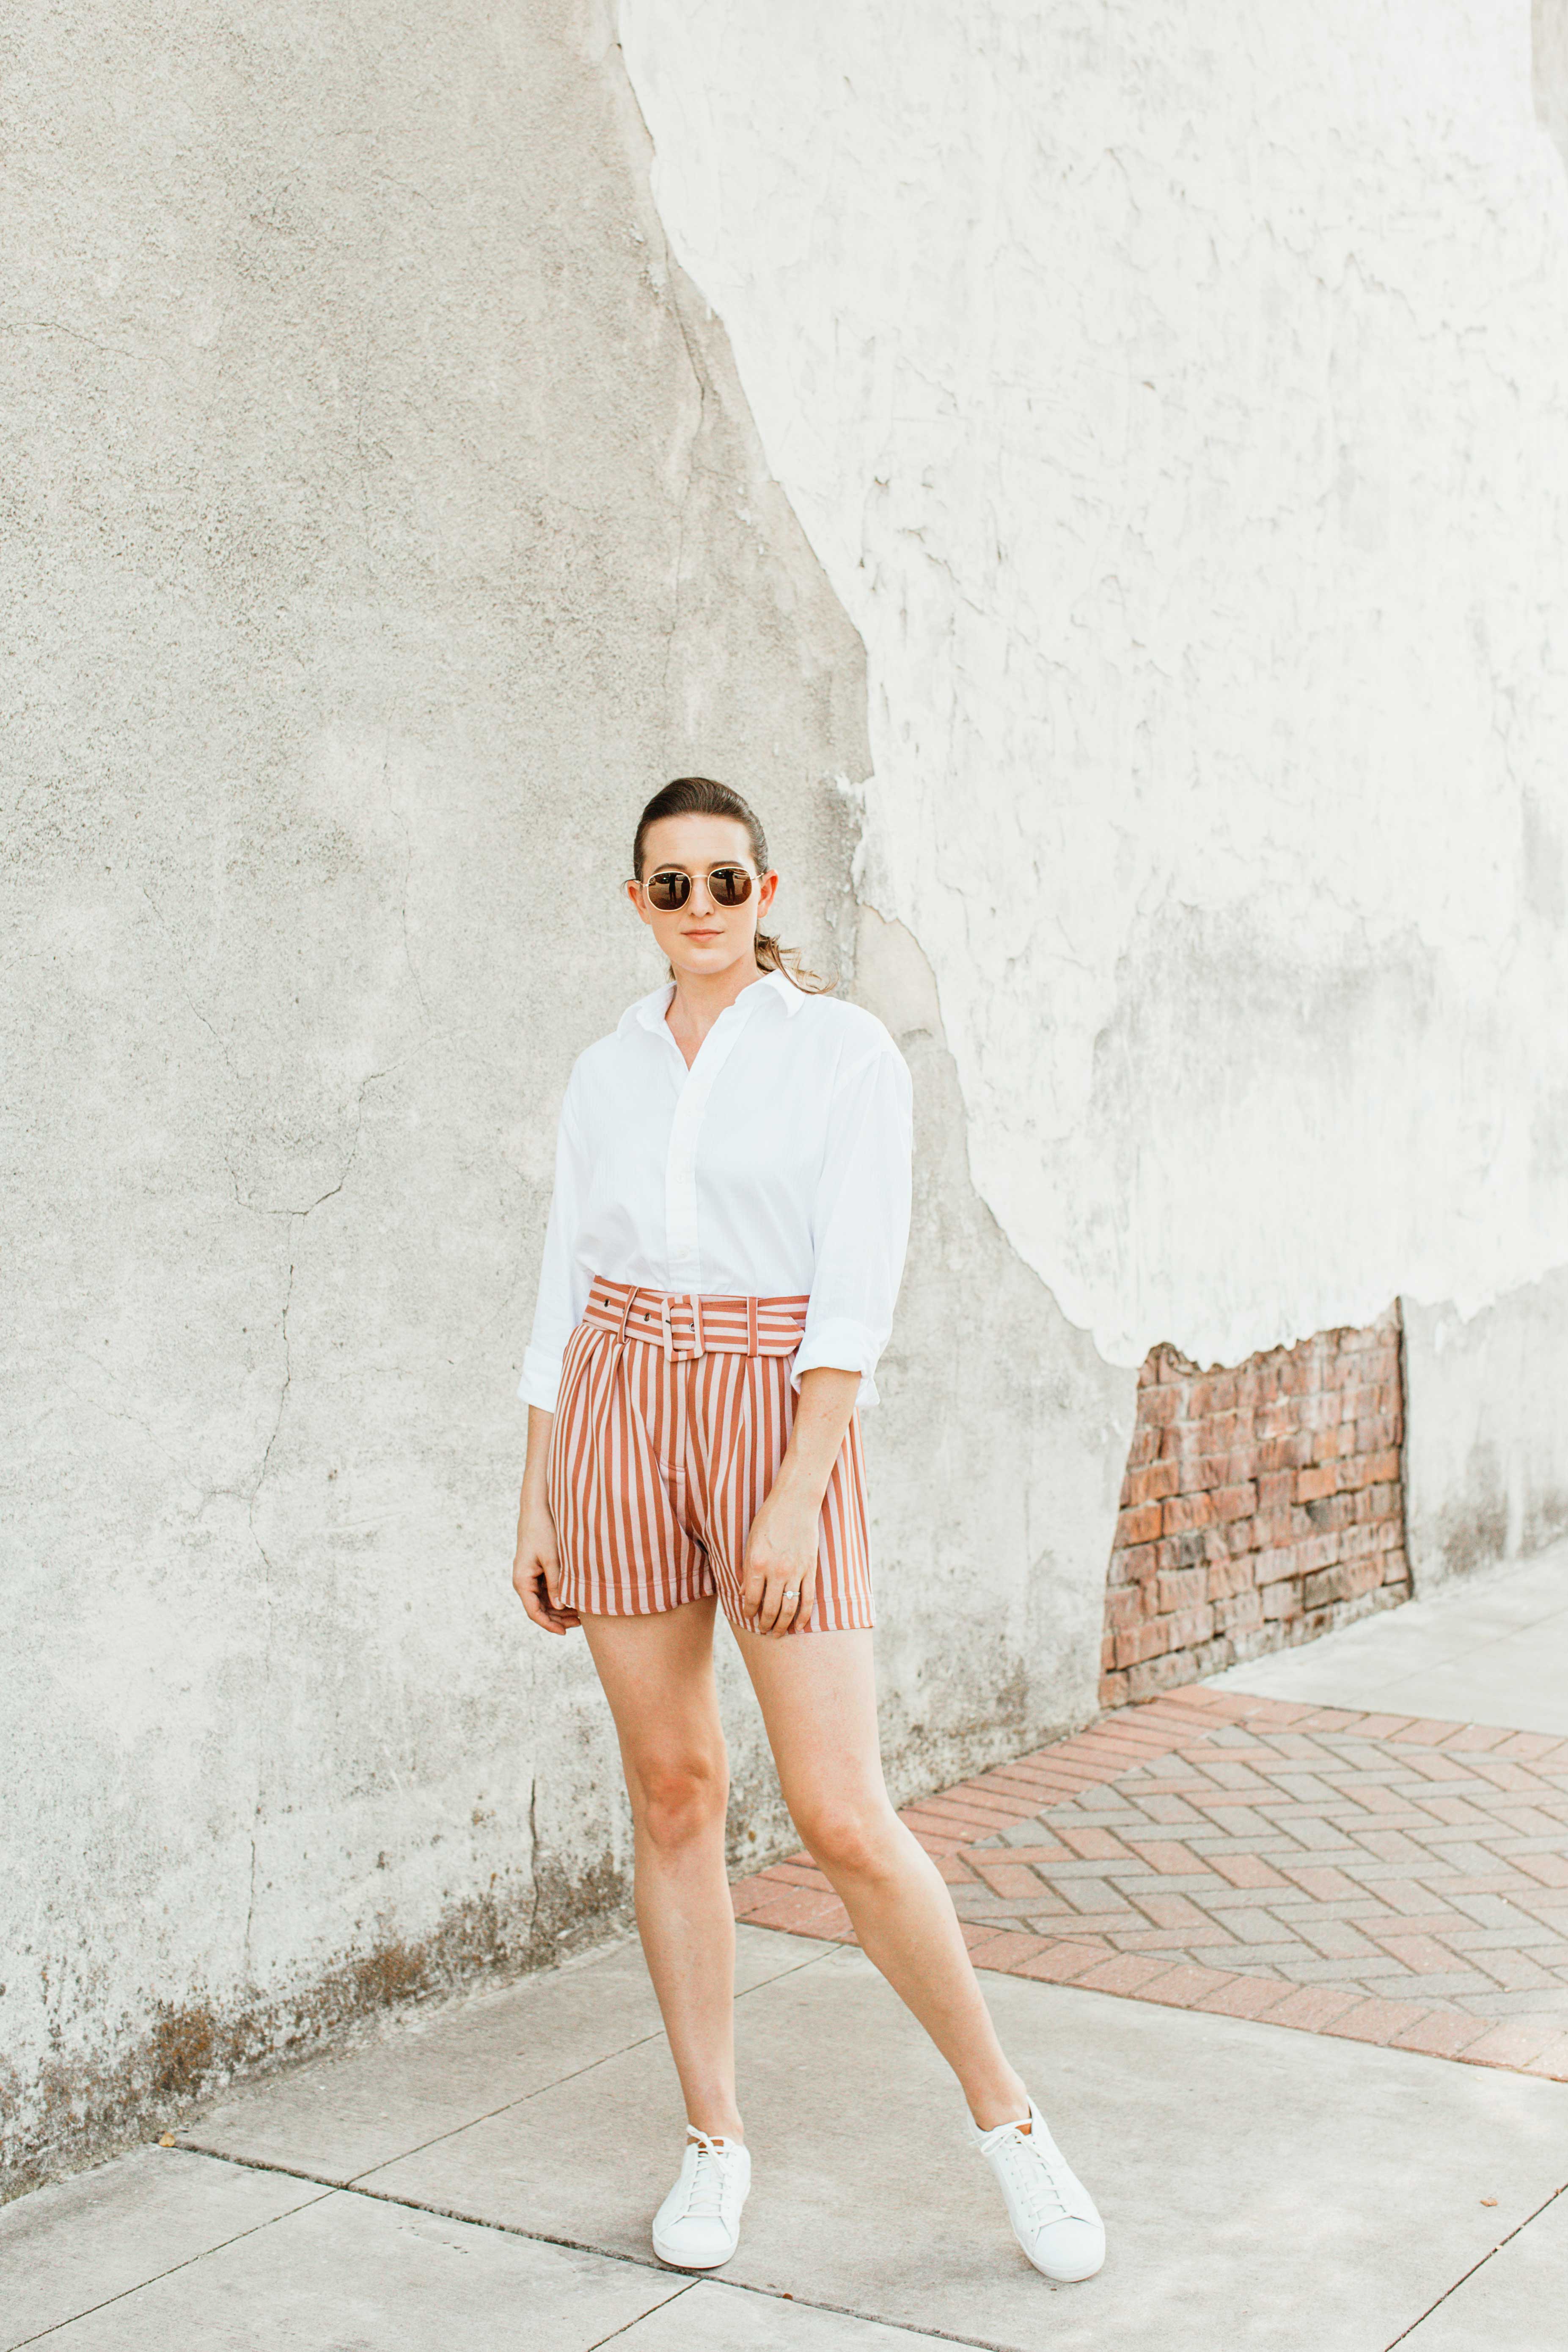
(685, 1325)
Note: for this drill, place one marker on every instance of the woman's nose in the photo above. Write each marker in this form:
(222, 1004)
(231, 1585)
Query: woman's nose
(701, 901)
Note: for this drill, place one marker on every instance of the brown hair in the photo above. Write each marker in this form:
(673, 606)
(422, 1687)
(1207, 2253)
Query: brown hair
(700, 796)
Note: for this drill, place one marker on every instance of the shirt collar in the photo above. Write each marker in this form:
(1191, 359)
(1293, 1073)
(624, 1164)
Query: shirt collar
(649, 1012)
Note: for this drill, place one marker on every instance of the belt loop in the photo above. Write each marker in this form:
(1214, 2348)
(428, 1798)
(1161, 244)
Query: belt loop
(699, 1339)
(626, 1312)
(750, 1326)
(664, 1317)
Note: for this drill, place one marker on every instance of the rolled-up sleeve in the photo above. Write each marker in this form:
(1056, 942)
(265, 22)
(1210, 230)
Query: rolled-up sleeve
(557, 1309)
(860, 1219)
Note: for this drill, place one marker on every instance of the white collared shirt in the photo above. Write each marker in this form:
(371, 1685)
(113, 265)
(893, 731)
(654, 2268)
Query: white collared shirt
(778, 1165)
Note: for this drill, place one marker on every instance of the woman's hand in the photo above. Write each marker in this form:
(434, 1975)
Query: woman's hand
(780, 1581)
(536, 1569)
(781, 1561)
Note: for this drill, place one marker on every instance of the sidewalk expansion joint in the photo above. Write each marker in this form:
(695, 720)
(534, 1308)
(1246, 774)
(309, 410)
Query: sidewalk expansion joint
(649, 2261)
(1479, 2265)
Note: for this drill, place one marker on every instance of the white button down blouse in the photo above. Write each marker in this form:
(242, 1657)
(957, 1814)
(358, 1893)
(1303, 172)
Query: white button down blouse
(778, 1165)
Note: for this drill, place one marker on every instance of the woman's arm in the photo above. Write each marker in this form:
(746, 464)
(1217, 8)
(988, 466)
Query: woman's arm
(536, 1569)
(781, 1550)
(536, 1566)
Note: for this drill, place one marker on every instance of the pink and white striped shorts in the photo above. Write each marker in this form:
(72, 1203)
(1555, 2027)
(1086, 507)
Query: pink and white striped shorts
(672, 1423)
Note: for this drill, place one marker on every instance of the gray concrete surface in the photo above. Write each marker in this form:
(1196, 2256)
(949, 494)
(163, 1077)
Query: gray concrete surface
(1485, 1443)
(1248, 2176)
(88, 2241)
(384, 522)
(1514, 2303)
(346, 2272)
(1491, 1649)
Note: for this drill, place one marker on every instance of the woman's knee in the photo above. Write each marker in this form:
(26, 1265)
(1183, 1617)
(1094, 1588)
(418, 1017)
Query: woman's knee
(678, 1799)
(856, 1837)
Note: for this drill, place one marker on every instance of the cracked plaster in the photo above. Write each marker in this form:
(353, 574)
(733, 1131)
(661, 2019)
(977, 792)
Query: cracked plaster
(1175, 407)
(383, 516)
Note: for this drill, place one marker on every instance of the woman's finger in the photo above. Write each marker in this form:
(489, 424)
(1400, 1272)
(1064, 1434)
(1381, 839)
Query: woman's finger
(797, 1611)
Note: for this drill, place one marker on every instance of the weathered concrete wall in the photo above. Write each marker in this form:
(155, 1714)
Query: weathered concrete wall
(382, 520)
(1176, 407)
(1486, 1455)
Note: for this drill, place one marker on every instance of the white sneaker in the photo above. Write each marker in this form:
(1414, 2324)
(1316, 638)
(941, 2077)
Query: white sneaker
(1051, 2211)
(698, 2224)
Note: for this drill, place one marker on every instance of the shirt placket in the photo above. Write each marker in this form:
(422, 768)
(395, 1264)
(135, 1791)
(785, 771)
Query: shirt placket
(682, 1232)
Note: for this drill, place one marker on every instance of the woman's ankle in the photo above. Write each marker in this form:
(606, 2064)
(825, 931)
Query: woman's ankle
(731, 2130)
(999, 2103)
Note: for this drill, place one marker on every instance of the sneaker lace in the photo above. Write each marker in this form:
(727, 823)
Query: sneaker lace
(705, 2190)
(1035, 2183)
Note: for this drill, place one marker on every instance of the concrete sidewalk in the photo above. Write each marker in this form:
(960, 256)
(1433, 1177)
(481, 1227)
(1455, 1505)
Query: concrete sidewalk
(484, 2174)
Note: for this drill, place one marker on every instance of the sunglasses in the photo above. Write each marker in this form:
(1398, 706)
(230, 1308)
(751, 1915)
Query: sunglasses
(727, 886)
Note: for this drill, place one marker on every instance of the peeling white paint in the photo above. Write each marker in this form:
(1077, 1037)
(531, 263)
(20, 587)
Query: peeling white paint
(1175, 400)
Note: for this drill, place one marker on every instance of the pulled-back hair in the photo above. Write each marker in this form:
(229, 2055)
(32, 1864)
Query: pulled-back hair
(700, 796)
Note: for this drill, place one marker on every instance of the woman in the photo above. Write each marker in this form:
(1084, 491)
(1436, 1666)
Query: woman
(725, 1243)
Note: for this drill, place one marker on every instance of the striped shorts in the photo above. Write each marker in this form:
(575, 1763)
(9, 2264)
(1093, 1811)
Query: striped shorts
(672, 1423)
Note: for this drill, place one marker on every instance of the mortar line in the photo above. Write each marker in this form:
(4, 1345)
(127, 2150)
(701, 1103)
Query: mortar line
(255, 2230)
(1479, 2265)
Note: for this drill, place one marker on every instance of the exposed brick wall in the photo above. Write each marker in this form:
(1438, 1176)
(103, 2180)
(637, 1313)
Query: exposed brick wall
(1260, 1506)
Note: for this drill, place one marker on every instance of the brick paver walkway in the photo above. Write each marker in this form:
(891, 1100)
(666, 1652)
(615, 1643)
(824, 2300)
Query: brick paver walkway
(1389, 1879)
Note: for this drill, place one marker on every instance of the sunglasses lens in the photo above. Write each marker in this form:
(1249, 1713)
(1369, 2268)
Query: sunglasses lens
(668, 892)
(731, 885)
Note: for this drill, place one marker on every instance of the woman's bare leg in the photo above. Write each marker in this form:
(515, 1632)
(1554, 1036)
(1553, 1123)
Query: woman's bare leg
(817, 1695)
(657, 1674)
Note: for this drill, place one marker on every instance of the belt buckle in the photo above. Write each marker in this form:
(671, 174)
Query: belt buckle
(674, 1347)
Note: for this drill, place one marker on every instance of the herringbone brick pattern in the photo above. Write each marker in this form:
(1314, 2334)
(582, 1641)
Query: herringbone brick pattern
(1389, 1879)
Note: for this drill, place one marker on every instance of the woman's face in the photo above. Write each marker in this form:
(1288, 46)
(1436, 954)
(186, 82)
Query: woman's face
(702, 938)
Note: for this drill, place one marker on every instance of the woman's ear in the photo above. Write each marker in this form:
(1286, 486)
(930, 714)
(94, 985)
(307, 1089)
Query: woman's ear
(633, 892)
(767, 890)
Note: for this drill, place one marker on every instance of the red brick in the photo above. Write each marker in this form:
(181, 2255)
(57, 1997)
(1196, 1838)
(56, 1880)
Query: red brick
(1152, 1484)
(1183, 1588)
(1062, 1963)
(1274, 1564)
(1238, 1615)
(1441, 2033)
(1552, 2061)
(1142, 1642)
(1551, 1869)
(1183, 1512)
(1325, 1479)
(1127, 1972)
(1123, 1607)
(1312, 2008)
(1093, 1845)
(1186, 1986)
(1191, 1626)
(1516, 2043)
(1248, 1870)
(1006, 1949)
(1377, 2021)
(1137, 1526)
(1008, 1877)
(800, 1913)
(1169, 1856)
(1234, 1502)
(1246, 1996)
